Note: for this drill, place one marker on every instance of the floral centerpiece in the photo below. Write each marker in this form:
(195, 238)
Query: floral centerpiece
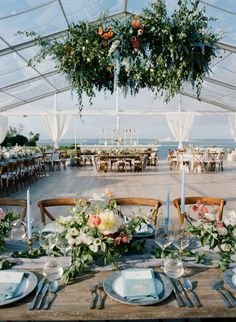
(6, 221)
(95, 231)
(154, 50)
(215, 233)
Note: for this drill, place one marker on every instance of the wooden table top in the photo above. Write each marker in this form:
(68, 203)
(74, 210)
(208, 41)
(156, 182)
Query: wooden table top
(72, 303)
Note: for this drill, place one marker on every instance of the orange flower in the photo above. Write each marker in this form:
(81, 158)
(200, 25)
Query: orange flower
(110, 34)
(106, 36)
(136, 24)
(100, 31)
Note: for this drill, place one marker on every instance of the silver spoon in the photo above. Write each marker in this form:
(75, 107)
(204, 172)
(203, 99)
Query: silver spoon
(53, 288)
(188, 286)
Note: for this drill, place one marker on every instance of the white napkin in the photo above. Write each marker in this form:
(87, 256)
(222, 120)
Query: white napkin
(9, 283)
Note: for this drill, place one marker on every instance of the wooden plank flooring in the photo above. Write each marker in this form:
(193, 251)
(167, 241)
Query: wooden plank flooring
(153, 183)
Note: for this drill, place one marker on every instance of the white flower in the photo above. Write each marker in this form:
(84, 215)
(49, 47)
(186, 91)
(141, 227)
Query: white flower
(126, 63)
(210, 217)
(73, 232)
(94, 248)
(230, 218)
(113, 47)
(110, 222)
(225, 247)
(97, 197)
(222, 231)
(65, 220)
(234, 233)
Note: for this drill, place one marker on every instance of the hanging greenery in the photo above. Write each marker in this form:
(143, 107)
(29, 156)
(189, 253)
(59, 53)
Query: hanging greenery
(153, 50)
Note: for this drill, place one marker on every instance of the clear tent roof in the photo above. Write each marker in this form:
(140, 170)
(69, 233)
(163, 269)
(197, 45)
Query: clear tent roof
(21, 84)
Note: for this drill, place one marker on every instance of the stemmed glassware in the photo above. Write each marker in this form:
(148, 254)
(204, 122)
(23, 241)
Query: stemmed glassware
(163, 234)
(19, 230)
(181, 239)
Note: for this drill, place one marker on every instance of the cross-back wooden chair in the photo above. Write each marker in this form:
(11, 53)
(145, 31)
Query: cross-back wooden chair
(55, 202)
(20, 204)
(154, 204)
(205, 200)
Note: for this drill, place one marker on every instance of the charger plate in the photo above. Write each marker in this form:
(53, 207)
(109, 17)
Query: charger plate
(27, 285)
(228, 279)
(113, 288)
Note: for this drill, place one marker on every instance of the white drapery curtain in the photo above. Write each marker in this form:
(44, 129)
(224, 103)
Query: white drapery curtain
(180, 124)
(56, 126)
(3, 127)
(232, 124)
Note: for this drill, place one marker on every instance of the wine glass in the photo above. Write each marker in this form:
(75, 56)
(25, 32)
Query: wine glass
(181, 239)
(47, 240)
(18, 231)
(62, 243)
(163, 234)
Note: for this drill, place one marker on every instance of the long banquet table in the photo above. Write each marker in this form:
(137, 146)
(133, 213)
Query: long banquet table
(72, 303)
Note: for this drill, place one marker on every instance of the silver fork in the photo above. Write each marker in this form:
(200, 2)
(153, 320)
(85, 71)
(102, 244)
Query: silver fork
(218, 286)
(100, 297)
(93, 290)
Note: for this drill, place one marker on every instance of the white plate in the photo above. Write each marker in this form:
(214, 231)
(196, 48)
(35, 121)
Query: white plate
(113, 287)
(28, 284)
(228, 279)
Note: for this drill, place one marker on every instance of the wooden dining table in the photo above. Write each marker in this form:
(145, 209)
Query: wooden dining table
(73, 300)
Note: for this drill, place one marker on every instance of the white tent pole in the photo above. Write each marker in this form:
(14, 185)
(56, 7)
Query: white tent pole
(55, 102)
(117, 110)
(75, 131)
(180, 102)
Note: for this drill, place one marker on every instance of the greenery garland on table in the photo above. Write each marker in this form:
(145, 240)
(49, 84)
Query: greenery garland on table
(154, 50)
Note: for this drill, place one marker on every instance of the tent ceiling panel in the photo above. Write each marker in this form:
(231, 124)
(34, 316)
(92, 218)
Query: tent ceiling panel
(91, 9)
(6, 99)
(15, 7)
(44, 20)
(48, 17)
(28, 90)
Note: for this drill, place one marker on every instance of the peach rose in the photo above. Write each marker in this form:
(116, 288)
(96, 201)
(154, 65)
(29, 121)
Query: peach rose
(204, 209)
(108, 192)
(94, 220)
(2, 214)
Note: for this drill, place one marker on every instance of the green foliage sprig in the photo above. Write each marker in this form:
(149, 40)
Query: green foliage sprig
(154, 50)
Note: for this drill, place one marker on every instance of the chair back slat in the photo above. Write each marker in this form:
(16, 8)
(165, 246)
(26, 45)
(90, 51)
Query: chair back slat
(132, 201)
(56, 202)
(21, 203)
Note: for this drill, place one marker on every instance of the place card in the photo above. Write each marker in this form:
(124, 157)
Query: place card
(139, 283)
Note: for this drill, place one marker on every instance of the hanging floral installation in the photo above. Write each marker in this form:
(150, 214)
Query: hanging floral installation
(154, 50)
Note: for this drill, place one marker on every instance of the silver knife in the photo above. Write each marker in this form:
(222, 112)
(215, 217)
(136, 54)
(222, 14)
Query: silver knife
(177, 296)
(43, 293)
(185, 295)
(39, 288)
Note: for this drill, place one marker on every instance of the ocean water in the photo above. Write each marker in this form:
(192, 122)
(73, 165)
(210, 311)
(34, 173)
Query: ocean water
(163, 146)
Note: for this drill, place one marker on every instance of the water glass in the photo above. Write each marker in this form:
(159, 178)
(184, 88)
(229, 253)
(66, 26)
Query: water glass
(52, 269)
(173, 267)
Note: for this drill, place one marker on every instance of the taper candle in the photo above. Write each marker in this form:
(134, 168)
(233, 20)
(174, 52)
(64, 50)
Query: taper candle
(29, 231)
(167, 208)
(183, 192)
